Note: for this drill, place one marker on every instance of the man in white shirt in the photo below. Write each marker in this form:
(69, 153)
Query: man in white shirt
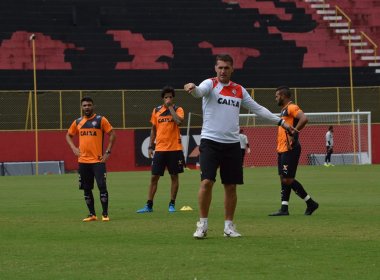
(329, 146)
(244, 145)
(220, 146)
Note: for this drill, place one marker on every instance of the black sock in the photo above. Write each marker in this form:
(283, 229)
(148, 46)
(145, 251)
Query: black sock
(285, 192)
(298, 189)
(89, 199)
(104, 201)
(284, 208)
(150, 203)
(172, 202)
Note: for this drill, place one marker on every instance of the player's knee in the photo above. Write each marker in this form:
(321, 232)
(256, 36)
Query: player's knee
(154, 179)
(287, 181)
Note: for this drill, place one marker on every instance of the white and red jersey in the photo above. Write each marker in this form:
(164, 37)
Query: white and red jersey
(221, 107)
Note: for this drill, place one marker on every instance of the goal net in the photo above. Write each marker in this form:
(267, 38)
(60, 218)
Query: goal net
(352, 138)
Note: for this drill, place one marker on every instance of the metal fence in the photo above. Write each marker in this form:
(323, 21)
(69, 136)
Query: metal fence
(132, 108)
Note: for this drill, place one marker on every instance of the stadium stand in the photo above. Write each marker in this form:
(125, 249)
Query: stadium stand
(83, 44)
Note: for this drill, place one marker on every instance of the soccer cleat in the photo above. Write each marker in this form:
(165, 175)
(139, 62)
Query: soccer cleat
(105, 218)
(230, 231)
(90, 218)
(280, 213)
(146, 209)
(326, 164)
(201, 231)
(311, 208)
(171, 208)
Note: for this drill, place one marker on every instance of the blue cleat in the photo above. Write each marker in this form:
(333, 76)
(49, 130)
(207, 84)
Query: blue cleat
(146, 209)
(171, 208)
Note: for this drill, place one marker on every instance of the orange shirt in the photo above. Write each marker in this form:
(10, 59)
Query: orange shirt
(284, 141)
(91, 137)
(168, 137)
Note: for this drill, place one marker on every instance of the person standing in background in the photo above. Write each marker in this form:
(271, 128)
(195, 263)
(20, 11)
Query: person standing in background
(91, 158)
(244, 145)
(165, 147)
(289, 151)
(329, 146)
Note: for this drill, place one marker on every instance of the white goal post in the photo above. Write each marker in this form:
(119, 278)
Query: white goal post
(352, 138)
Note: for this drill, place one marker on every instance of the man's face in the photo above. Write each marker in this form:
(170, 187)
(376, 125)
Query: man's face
(223, 71)
(87, 108)
(279, 98)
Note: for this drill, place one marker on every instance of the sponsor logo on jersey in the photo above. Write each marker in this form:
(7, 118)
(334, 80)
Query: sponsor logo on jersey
(229, 102)
(87, 133)
(161, 120)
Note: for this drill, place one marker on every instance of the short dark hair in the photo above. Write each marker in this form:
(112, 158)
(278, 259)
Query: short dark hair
(167, 89)
(331, 127)
(225, 58)
(86, 98)
(285, 90)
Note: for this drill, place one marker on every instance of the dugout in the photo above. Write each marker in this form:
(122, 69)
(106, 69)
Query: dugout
(29, 168)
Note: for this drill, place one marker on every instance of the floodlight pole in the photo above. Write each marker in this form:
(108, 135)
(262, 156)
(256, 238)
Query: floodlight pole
(33, 38)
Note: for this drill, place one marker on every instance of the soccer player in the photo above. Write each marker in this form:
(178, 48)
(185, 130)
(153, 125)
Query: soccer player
(289, 151)
(329, 146)
(91, 158)
(244, 145)
(165, 147)
(220, 146)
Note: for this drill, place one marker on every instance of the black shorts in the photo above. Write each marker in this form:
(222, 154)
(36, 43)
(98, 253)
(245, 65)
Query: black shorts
(288, 162)
(173, 160)
(329, 149)
(90, 171)
(225, 156)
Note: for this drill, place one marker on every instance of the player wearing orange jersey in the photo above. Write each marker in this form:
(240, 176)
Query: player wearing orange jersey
(91, 158)
(289, 151)
(166, 138)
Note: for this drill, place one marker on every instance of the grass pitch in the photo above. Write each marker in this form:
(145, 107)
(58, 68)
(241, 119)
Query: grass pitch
(42, 236)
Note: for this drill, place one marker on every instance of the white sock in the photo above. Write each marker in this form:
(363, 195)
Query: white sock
(227, 223)
(204, 221)
(307, 198)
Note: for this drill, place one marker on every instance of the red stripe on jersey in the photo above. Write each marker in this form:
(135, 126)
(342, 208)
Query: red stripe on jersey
(214, 82)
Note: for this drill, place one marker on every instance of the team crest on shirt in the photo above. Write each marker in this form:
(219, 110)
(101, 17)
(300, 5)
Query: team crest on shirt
(94, 123)
(234, 91)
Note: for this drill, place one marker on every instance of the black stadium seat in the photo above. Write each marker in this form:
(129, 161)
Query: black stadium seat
(118, 43)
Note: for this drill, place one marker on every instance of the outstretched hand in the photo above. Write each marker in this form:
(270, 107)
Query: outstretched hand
(189, 87)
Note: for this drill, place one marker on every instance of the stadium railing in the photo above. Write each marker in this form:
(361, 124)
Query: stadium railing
(131, 109)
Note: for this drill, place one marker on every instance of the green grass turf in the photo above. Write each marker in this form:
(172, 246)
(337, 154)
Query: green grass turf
(42, 236)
